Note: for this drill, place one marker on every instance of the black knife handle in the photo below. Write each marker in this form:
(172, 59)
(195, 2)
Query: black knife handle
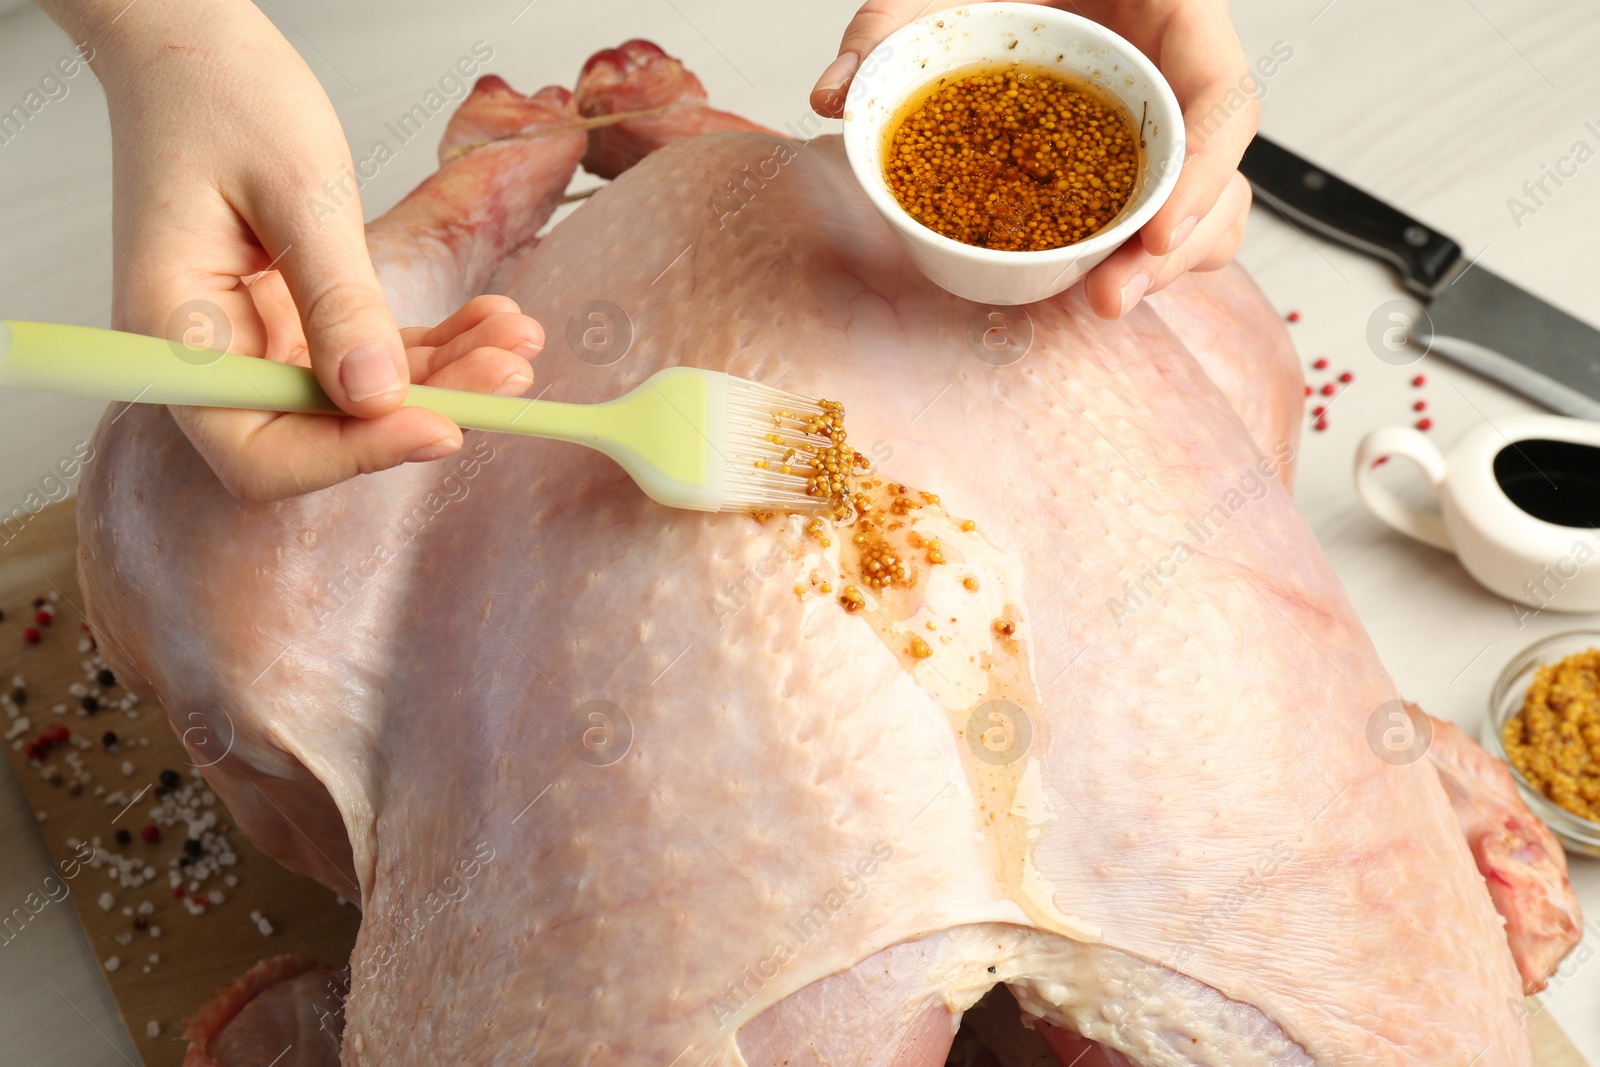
(1311, 196)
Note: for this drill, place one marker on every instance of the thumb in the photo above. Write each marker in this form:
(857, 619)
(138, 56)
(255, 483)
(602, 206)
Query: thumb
(355, 346)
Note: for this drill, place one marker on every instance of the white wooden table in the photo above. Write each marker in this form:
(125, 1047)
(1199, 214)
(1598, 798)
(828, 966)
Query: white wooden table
(1443, 107)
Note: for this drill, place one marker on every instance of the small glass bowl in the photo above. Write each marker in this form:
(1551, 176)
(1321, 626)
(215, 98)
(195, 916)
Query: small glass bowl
(1577, 834)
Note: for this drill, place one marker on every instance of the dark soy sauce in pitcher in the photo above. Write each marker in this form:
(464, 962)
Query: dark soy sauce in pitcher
(1557, 481)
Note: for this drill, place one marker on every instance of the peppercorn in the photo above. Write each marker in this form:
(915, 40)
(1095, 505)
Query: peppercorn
(90, 703)
(1347, 377)
(19, 696)
(1329, 389)
(44, 617)
(1424, 423)
(39, 602)
(106, 678)
(1294, 316)
(151, 833)
(1421, 405)
(1419, 381)
(30, 635)
(191, 848)
(1320, 364)
(169, 779)
(140, 922)
(124, 837)
(108, 738)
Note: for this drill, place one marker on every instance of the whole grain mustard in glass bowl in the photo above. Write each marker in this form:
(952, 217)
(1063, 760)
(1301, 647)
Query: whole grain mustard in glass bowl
(1544, 720)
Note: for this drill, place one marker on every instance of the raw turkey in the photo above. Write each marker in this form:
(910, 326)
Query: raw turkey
(617, 784)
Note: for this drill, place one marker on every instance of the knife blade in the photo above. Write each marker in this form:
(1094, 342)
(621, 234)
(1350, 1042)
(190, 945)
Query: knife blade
(1473, 317)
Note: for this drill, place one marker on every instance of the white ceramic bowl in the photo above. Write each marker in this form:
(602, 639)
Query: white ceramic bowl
(1041, 38)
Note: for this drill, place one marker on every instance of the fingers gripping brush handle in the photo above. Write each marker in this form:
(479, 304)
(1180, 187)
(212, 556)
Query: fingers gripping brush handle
(670, 434)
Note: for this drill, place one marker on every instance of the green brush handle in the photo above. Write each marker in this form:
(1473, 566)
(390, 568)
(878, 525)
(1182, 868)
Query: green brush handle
(110, 365)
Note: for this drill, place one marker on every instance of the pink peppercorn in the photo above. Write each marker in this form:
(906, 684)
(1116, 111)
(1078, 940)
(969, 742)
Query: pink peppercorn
(1424, 424)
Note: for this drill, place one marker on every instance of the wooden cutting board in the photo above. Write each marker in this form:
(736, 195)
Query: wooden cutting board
(198, 954)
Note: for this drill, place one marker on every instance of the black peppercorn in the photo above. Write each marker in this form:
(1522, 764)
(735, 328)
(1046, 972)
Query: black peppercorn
(108, 738)
(90, 704)
(191, 848)
(105, 677)
(170, 779)
(124, 837)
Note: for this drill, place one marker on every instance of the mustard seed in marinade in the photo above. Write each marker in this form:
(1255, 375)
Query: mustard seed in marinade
(1013, 160)
(1554, 740)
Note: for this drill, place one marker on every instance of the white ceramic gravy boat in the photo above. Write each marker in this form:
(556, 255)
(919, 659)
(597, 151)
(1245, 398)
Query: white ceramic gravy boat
(1519, 501)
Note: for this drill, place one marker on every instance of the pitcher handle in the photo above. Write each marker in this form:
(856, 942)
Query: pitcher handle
(1406, 443)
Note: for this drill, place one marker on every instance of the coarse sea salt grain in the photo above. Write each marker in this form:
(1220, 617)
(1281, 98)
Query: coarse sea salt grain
(152, 1029)
(112, 964)
(106, 900)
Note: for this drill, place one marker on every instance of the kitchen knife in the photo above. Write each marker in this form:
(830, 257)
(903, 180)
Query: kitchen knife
(1473, 317)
